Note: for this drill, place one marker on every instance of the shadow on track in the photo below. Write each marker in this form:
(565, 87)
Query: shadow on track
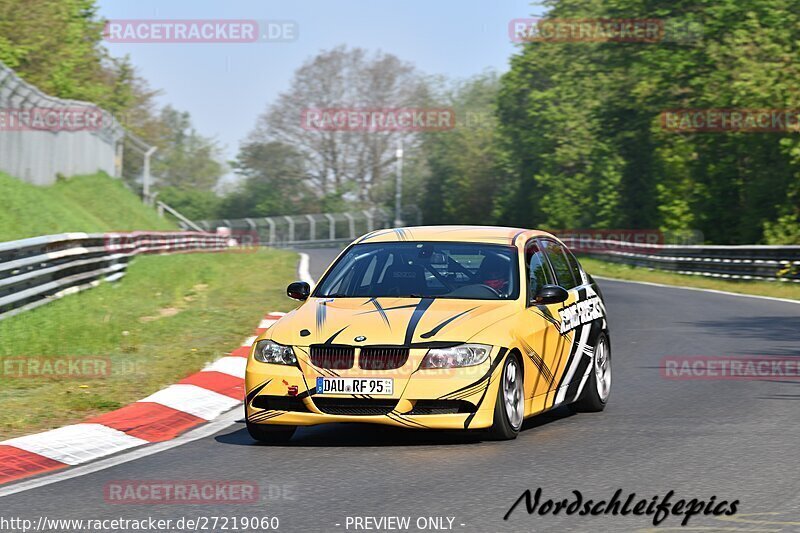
(770, 328)
(355, 434)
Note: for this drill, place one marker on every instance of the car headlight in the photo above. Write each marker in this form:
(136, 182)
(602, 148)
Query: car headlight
(272, 352)
(457, 356)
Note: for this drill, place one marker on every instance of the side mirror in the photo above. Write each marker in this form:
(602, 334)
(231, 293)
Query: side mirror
(550, 294)
(299, 290)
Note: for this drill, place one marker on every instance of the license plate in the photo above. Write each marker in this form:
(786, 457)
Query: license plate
(377, 386)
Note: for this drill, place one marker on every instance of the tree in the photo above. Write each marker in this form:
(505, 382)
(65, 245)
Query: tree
(462, 183)
(348, 165)
(273, 182)
(581, 140)
(186, 159)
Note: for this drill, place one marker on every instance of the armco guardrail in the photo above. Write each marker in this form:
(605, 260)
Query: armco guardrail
(39, 270)
(739, 262)
(318, 229)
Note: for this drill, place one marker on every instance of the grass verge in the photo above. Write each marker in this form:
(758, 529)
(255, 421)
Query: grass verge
(95, 203)
(164, 320)
(775, 289)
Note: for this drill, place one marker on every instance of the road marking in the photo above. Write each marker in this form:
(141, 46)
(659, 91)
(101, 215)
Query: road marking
(249, 341)
(206, 430)
(772, 298)
(233, 365)
(302, 270)
(194, 400)
(77, 443)
(266, 323)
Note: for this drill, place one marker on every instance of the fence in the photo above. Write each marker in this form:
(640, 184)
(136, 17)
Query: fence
(746, 263)
(36, 271)
(326, 229)
(36, 149)
(749, 262)
(39, 270)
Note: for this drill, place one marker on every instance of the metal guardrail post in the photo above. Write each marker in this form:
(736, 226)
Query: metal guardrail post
(290, 220)
(188, 223)
(331, 226)
(312, 227)
(368, 214)
(271, 224)
(352, 223)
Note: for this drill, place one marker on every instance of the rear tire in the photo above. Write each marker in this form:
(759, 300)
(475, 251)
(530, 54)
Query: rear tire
(509, 407)
(598, 385)
(269, 434)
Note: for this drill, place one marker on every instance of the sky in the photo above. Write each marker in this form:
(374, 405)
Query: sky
(225, 86)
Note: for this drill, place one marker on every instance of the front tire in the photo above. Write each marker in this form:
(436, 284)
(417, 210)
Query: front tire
(598, 384)
(269, 434)
(509, 408)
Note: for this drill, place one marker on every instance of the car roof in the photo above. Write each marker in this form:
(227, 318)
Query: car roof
(484, 234)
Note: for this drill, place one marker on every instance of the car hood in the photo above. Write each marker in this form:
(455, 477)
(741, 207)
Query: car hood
(387, 321)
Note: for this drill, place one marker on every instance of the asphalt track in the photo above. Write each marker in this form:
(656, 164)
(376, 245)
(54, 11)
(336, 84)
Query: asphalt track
(737, 440)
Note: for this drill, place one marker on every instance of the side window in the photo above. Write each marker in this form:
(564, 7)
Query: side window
(575, 267)
(561, 267)
(537, 269)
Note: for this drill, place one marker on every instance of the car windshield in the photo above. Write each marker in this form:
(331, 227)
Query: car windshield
(424, 270)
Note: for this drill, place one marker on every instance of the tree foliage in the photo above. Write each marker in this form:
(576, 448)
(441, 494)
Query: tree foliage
(581, 143)
(57, 45)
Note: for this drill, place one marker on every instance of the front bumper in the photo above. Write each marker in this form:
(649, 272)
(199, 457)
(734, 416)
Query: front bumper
(459, 398)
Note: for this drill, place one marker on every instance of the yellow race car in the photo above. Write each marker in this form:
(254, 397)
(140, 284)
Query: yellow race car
(446, 327)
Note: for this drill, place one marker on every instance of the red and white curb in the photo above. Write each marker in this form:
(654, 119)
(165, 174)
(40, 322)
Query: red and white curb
(161, 416)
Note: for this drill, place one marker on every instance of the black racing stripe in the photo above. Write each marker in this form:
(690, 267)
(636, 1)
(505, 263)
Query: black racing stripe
(471, 385)
(266, 415)
(594, 332)
(332, 337)
(434, 344)
(544, 312)
(310, 364)
(407, 306)
(488, 374)
(321, 313)
(537, 360)
(572, 388)
(501, 356)
(256, 390)
(416, 316)
(365, 237)
(438, 328)
(466, 394)
(310, 391)
(380, 310)
(373, 234)
(560, 341)
(576, 336)
(403, 422)
(399, 417)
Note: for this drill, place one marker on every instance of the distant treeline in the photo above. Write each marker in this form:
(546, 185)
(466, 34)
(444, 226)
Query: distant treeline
(678, 115)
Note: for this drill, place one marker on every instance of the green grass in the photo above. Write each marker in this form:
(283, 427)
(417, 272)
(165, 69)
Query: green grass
(163, 321)
(93, 203)
(775, 289)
